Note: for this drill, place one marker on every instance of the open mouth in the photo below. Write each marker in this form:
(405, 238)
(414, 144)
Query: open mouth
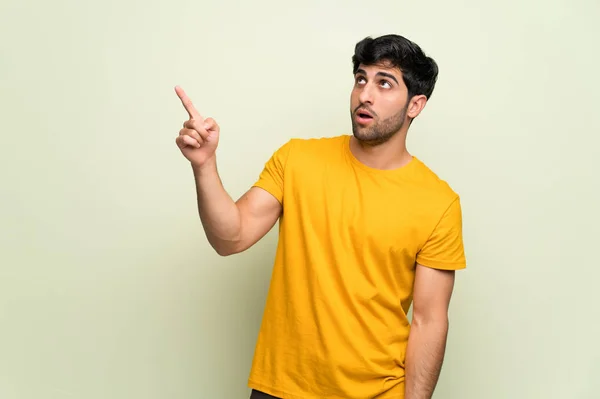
(363, 116)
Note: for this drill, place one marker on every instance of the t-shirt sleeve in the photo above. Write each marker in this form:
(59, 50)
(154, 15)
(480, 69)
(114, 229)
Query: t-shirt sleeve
(445, 249)
(271, 178)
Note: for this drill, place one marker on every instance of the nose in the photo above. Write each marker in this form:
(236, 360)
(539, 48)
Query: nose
(366, 95)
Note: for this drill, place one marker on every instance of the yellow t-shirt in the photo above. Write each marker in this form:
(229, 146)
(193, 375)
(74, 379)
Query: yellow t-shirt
(335, 324)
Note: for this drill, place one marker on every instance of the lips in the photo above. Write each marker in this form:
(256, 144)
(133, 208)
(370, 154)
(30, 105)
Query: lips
(363, 116)
(363, 113)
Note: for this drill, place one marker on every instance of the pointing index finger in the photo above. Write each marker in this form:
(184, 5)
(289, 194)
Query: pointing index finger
(187, 104)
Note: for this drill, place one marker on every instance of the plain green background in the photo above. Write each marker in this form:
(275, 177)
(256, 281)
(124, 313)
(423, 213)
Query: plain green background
(108, 288)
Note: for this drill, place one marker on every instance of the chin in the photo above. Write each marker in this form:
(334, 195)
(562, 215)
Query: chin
(369, 137)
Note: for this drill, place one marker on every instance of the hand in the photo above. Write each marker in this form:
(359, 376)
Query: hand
(199, 137)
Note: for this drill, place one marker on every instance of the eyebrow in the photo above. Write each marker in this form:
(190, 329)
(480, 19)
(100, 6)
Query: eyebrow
(385, 74)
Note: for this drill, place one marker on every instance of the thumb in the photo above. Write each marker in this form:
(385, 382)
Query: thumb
(212, 128)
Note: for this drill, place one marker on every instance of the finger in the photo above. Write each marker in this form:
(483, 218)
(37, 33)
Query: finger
(192, 133)
(180, 143)
(190, 141)
(184, 141)
(198, 126)
(187, 104)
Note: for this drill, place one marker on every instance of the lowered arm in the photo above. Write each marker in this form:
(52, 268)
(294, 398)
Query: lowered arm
(427, 339)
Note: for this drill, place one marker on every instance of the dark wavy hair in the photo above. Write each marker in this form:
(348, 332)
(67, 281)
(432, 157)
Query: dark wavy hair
(419, 71)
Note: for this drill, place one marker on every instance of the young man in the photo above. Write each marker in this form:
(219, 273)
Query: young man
(365, 229)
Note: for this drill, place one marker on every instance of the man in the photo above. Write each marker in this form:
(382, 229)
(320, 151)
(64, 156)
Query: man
(365, 229)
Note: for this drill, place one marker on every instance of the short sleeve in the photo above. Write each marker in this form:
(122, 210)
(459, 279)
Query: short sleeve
(272, 176)
(445, 249)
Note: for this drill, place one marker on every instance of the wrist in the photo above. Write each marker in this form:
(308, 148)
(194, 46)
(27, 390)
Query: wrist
(207, 167)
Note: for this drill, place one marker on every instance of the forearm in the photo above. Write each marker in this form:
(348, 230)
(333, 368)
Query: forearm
(424, 358)
(218, 212)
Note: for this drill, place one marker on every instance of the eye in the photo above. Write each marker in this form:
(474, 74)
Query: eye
(385, 84)
(360, 80)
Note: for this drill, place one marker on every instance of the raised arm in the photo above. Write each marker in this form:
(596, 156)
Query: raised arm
(231, 227)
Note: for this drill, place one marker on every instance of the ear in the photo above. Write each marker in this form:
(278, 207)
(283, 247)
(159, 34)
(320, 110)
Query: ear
(416, 105)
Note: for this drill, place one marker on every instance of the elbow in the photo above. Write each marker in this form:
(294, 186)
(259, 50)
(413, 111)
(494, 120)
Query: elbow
(226, 246)
(439, 321)
(227, 249)
(224, 251)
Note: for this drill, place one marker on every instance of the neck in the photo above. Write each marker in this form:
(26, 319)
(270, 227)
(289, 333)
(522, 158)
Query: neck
(385, 156)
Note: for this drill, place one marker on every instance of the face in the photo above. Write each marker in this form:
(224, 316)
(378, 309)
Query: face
(378, 104)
